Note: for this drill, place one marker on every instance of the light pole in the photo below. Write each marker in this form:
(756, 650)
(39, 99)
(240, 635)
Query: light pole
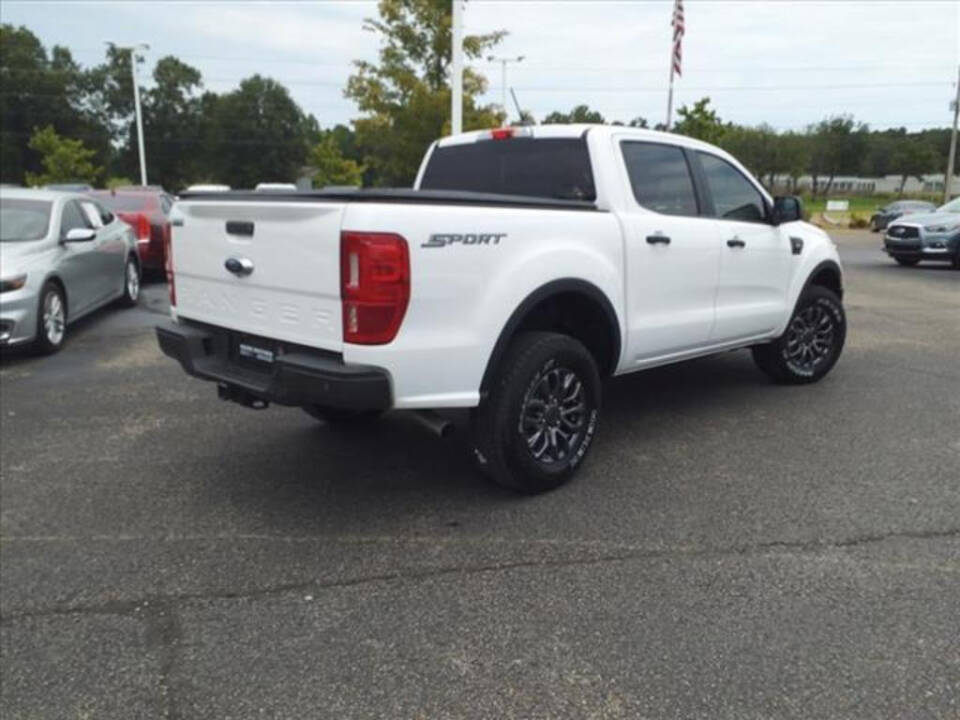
(456, 91)
(503, 77)
(132, 49)
(955, 106)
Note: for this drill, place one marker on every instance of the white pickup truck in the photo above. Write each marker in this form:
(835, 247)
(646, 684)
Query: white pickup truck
(524, 266)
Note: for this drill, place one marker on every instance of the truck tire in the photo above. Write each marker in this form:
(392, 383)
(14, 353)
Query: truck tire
(340, 417)
(812, 342)
(537, 424)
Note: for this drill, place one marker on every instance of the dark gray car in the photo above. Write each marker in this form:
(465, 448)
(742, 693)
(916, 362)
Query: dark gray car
(887, 214)
(62, 256)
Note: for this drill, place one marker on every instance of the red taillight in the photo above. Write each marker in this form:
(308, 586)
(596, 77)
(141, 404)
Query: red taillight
(501, 134)
(143, 227)
(168, 264)
(374, 286)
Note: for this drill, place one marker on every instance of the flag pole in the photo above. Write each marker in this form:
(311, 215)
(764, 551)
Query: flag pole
(670, 95)
(677, 23)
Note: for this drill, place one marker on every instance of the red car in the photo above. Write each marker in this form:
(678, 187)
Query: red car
(147, 210)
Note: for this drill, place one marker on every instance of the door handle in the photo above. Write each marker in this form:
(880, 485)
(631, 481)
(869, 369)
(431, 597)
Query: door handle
(239, 266)
(736, 242)
(658, 239)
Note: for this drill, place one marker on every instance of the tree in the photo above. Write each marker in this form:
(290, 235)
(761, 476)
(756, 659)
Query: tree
(256, 133)
(836, 148)
(41, 90)
(405, 97)
(332, 167)
(700, 122)
(912, 158)
(171, 124)
(63, 159)
(579, 114)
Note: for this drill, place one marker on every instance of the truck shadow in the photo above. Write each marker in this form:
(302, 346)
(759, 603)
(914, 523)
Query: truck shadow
(395, 476)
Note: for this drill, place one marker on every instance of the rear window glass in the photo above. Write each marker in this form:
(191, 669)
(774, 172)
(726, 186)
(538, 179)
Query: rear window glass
(128, 202)
(556, 168)
(22, 219)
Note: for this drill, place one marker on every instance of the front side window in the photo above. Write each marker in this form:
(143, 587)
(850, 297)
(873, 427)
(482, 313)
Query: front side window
(93, 215)
(660, 178)
(72, 219)
(734, 197)
(106, 217)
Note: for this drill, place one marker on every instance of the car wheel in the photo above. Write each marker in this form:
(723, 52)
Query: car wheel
(956, 261)
(51, 319)
(812, 342)
(906, 261)
(131, 283)
(341, 417)
(537, 424)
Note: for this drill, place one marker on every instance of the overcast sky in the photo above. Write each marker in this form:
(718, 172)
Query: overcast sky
(787, 63)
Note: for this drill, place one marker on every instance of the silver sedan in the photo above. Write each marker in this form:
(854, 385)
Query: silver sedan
(62, 256)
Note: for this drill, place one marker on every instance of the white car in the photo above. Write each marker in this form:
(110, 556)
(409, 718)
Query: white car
(62, 256)
(276, 187)
(208, 188)
(526, 265)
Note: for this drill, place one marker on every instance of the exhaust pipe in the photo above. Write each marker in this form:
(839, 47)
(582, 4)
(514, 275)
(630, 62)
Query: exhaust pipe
(435, 423)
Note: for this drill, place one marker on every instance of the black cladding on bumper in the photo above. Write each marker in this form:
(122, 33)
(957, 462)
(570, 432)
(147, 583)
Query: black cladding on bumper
(296, 377)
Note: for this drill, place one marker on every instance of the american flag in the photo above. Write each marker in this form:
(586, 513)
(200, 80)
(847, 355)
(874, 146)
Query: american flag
(678, 28)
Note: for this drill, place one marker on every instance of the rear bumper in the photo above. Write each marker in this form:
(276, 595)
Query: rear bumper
(299, 376)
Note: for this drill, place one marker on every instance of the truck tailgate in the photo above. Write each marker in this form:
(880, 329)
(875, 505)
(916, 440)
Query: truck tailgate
(292, 292)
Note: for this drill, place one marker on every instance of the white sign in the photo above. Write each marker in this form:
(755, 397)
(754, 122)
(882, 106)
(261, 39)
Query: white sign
(838, 205)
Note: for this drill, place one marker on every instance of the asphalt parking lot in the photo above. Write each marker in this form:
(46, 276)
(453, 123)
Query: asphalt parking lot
(732, 549)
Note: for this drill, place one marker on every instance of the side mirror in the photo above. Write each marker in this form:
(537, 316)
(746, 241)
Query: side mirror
(80, 235)
(787, 208)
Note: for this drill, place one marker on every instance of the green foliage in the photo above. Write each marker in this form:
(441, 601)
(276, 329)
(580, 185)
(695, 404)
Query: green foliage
(63, 159)
(836, 144)
(41, 90)
(405, 97)
(115, 182)
(911, 157)
(579, 114)
(332, 167)
(858, 221)
(700, 122)
(256, 133)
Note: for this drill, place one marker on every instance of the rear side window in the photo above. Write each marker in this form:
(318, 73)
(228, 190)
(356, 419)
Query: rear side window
(734, 197)
(660, 178)
(556, 168)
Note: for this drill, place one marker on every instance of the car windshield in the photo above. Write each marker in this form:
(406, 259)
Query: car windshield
(22, 220)
(951, 207)
(127, 202)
